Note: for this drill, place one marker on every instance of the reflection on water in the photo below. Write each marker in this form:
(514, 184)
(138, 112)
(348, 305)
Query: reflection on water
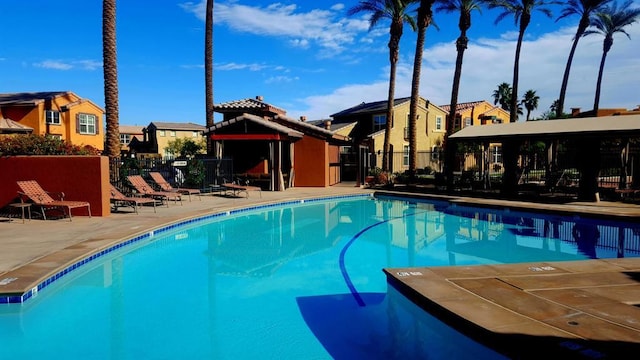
(269, 284)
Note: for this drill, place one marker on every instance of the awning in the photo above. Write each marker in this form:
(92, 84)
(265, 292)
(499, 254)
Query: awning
(604, 126)
(8, 126)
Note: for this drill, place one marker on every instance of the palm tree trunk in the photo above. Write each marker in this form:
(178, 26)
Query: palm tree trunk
(461, 45)
(110, 71)
(513, 114)
(606, 47)
(394, 49)
(424, 19)
(208, 70)
(390, 101)
(567, 69)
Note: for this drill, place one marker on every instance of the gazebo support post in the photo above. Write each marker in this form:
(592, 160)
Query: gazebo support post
(510, 161)
(589, 167)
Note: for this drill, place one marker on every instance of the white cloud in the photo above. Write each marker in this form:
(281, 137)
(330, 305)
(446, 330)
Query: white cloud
(236, 66)
(328, 29)
(489, 62)
(69, 65)
(281, 79)
(88, 64)
(54, 64)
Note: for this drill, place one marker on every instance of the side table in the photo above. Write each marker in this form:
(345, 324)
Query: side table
(22, 206)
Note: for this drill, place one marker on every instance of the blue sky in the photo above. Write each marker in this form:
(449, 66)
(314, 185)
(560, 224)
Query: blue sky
(307, 57)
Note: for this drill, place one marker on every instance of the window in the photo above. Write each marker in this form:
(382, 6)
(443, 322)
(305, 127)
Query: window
(435, 153)
(194, 134)
(55, 136)
(161, 133)
(496, 154)
(467, 121)
(53, 117)
(87, 124)
(172, 133)
(405, 155)
(379, 122)
(125, 139)
(407, 124)
(438, 123)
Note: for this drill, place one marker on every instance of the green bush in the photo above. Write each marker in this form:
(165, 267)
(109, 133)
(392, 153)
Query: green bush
(195, 173)
(31, 144)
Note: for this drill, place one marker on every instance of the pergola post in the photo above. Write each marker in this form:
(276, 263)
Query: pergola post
(589, 167)
(510, 161)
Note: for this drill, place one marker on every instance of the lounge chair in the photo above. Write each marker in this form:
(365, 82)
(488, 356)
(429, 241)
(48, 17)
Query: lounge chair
(144, 189)
(165, 186)
(234, 189)
(32, 191)
(118, 199)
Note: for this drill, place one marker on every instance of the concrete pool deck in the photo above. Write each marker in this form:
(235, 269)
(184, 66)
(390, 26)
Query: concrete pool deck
(519, 310)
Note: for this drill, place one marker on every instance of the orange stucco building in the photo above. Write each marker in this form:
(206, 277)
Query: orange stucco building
(61, 114)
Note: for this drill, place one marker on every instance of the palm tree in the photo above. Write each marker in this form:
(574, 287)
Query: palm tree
(530, 101)
(110, 70)
(425, 17)
(521, 10)
(502, 96)
(465, 7)
(585, 9)
(607, 22)
(397, 12)
(208, 69)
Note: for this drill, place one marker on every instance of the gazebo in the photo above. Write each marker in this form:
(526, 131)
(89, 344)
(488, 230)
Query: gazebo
(586, 134)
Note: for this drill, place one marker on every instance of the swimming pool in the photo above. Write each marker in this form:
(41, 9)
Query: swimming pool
(297, 281)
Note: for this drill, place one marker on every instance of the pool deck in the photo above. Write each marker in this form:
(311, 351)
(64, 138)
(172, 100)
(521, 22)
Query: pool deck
(581, 309)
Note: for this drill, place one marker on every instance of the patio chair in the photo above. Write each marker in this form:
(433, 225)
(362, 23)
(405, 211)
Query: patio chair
(32, 191)
(165, 186)
(118, 199)
(235, 189)
(144, 189)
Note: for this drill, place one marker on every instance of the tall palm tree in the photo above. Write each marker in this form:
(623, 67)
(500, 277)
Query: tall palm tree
(110, 71)
(208, 69)
(465, 7)
(424, 19)
(530, 101)
(398, 12)
(585, 9)
(502, 96)
(607, 22)
(521, 10)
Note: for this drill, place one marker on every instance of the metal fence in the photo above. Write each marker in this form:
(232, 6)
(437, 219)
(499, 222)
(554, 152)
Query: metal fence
(200, 172)
(480, 166)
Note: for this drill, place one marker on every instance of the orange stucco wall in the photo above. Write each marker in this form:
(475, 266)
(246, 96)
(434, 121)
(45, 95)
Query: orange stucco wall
(311, 160)
(83, 178)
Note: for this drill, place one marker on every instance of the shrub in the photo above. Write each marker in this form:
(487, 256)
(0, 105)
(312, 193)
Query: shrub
(32, 144)
(195, 173)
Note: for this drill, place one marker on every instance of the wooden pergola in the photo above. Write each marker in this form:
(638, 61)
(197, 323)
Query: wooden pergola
(586, 133)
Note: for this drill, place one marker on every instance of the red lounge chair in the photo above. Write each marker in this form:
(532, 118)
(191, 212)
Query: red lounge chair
(144, 189)
(118, 199)
(31, 190)
(165, 186)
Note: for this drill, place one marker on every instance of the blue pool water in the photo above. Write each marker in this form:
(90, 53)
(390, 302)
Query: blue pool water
(301, 281)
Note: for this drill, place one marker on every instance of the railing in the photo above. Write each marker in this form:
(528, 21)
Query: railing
(200, 172)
